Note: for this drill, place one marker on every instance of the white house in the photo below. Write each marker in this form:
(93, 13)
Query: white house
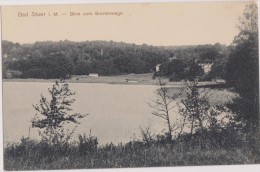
(220, 81)
(206, 67)
(157, 67)
(93, 75)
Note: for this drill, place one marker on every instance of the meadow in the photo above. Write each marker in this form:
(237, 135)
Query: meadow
(139, 79)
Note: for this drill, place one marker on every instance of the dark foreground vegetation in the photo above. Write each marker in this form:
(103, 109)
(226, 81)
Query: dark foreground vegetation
(220, 149)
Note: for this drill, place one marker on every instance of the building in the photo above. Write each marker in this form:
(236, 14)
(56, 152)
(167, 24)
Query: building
(93, 75)
(157, 67)
(220, 81)
(206, 67)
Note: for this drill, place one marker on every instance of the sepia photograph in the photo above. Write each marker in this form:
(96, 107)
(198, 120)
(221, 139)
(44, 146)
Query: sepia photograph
(130, 85)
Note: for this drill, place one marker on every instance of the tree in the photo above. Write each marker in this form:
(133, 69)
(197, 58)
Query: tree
(82, 67)
(195, 107)
(248, 21)
(130, 64)
(174, 69)
(218, 69)
(163, 106)
(243, 71)
(52, 115)
(202, 118)
(193, 70)
(57, 65)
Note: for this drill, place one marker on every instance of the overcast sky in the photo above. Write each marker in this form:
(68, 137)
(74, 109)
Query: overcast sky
(153, 24)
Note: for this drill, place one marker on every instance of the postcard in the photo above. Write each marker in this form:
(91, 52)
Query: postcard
(129, 85)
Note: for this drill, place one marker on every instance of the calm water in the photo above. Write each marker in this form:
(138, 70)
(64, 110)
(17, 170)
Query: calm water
(115, 111)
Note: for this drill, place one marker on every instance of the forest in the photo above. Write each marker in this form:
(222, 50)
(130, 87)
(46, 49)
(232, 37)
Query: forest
(53, 60)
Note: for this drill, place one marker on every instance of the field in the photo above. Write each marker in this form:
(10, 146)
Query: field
(118, 79)
(137, 79)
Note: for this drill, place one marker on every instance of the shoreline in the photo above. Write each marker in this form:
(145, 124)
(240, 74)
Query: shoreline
(106, 81)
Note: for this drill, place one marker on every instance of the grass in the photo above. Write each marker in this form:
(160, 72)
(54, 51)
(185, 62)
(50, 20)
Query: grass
(141, 79)
(221, 96)
(117, 79)
(216, 96)
(34, 155)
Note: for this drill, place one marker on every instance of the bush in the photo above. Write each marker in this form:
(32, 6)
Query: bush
(174, 77)
(9, 74)
(53, 114)
(87, 144)
(34, 155)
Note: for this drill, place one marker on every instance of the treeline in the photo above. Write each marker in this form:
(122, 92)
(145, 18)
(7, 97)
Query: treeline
(190, 59)
(60, 59)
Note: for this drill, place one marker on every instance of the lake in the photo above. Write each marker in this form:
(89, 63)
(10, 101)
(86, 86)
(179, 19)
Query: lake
(116, 112)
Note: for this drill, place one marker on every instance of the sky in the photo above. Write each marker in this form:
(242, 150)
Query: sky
(161, 24)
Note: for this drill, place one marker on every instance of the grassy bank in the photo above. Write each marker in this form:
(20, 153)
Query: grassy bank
(116, 79)
(33, 155)
(129, 79)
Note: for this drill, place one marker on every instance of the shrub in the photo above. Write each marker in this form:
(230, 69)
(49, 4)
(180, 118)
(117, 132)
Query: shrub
(87, 144)
(52, 115)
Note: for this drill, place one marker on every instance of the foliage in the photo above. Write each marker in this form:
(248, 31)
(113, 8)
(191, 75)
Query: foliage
(176, 67)
(196, 112)
(82, 67)
(201, 117)
(202, 54)
(163, 106)
(9, 74)
(147, 136)
(194, 107)
(56, 65)
(243, 70)
(127, 64)
(193, 70)
(52, 115)
(33, 155)
(87, 144)
(55, 59)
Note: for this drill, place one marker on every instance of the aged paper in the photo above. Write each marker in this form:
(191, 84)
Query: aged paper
(129, 85)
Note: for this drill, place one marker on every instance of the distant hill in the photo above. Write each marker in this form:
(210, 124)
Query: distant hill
(50, 59)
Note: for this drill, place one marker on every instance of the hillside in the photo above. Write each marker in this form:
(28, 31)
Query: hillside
(58, 59)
